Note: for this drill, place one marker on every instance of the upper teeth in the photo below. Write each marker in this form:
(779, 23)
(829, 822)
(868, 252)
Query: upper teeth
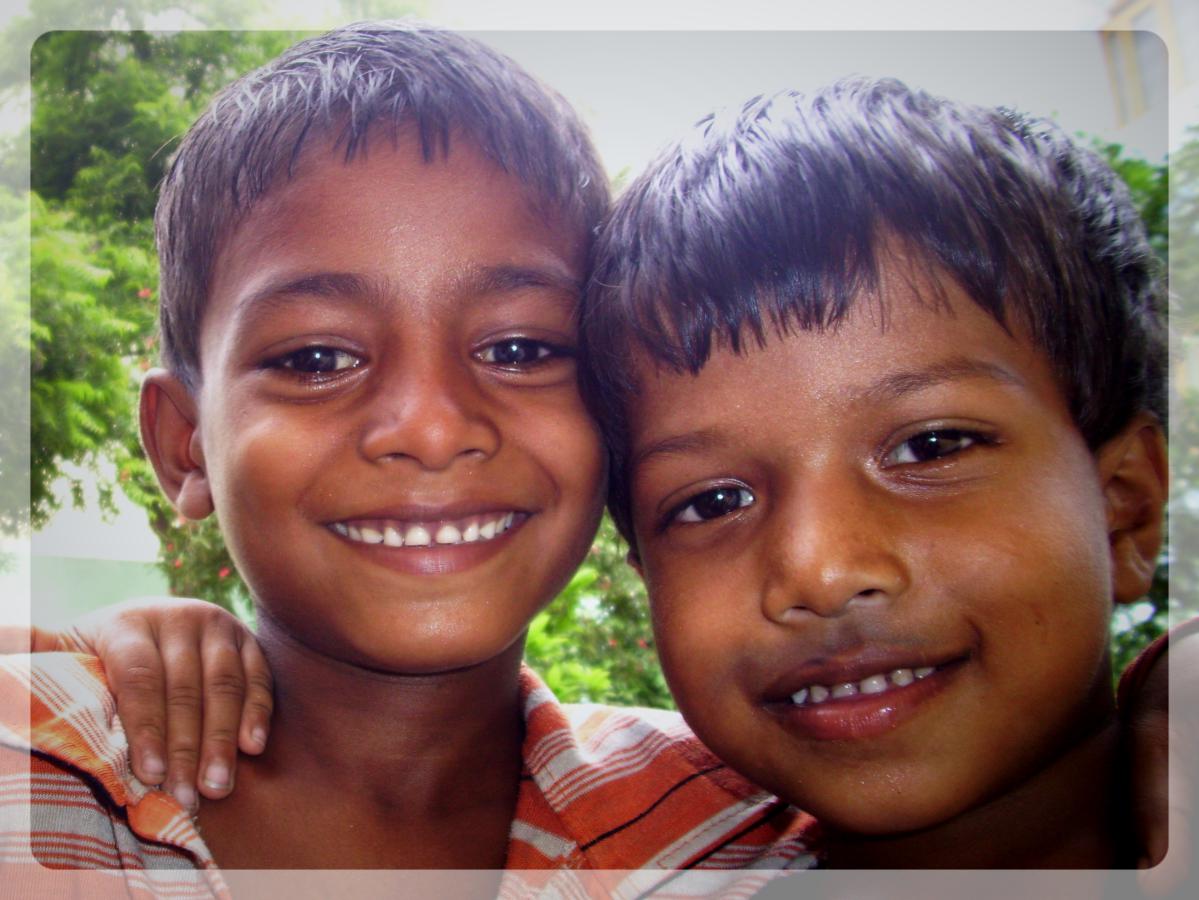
(872, 684)
(426, 534)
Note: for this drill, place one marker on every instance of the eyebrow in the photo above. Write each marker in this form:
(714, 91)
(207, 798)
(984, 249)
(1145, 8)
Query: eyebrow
(475, 281)
(958, 368)
(888, 388)
(691, 442)
(502, 279)
(285, 291)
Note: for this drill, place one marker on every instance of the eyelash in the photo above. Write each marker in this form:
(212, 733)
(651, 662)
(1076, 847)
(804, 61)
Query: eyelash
(294, 360)
(957, 440)
(315, 353)
(545, 352)
(680, 515)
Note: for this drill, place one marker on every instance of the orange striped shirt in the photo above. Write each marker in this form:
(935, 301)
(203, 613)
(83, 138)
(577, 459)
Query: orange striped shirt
(603, 788)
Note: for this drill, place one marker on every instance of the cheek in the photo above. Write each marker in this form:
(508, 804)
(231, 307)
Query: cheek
(1040, 610)
(585, 462)
(568, 447)
(265, 471)
(696, 625)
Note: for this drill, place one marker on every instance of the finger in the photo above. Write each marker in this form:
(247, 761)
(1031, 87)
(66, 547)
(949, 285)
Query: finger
(260, 698)
(31, 639)
(135, 674)
(224, 696)
(184, 699)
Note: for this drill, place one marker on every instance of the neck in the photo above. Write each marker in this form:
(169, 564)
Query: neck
(1064, 816)
(399, 740)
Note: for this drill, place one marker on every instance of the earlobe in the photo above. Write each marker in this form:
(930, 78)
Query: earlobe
(171, 437)
(1135, 486)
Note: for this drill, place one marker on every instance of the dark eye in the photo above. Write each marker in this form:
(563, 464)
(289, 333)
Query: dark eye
(519, 352)
(713, 504)
(316, 360)
(932, 445)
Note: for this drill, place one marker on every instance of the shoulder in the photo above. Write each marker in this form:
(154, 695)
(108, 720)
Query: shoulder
(658, 739)
(636, 789)
(59, 705)
(67, 783)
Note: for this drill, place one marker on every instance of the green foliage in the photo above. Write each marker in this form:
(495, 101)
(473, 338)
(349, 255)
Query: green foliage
(594, 642)
(1149, 185)
(110, 106)
(1184, 225)
(81, 334)
(14, 362)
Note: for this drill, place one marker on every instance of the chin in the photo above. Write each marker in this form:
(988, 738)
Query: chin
(880, 812)
(438, 653)
(418, 651)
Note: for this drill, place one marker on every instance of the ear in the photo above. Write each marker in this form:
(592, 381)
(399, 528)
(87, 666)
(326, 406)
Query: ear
(171, 437)
(1135, 485)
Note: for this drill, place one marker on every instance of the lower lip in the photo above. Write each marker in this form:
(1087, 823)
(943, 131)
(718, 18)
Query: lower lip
(437, 559)
(864, 715)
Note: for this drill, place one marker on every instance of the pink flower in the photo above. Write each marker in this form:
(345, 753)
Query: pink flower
(178, 562)
(145, 294)
(224, 573)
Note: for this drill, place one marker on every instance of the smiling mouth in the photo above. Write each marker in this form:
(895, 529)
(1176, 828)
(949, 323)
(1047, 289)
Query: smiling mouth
(849, 703)
(880, 683)
(394, 533)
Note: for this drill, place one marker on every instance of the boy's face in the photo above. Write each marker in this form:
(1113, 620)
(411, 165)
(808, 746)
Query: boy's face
(389, 424)
(903, 523)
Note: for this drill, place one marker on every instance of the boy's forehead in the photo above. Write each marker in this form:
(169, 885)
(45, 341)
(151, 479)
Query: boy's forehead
(910, 335)
(327, 192)
(388, 225)
(325, 153)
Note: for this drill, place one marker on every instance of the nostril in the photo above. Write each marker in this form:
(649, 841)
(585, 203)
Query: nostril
(868, 596)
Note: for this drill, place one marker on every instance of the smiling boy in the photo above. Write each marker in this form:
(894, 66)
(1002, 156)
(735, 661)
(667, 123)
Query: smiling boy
(371, 252)
(882, 376)
(385, 359)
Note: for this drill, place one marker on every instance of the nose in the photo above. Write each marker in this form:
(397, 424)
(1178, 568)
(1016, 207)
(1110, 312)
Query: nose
(834, 546)
(430, 410)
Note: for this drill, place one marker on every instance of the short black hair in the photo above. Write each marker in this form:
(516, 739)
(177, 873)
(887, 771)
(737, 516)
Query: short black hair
(777, 214)
(343, 85)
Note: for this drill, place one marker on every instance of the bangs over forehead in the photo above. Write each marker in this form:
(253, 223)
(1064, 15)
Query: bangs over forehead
(778, 216)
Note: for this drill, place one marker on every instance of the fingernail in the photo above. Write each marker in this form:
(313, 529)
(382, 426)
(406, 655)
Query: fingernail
(258, 736)
(153, 765)
(216, 776)
(186, 796)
